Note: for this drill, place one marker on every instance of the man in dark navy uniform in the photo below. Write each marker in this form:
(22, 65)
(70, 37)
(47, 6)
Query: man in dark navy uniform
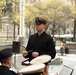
(40, 42)
(6, 62)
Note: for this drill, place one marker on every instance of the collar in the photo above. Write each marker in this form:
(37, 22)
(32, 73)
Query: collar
(41, 34)
(4, 67)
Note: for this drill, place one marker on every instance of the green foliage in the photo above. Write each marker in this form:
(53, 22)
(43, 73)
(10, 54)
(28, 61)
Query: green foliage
(73, 11)
(14, 8)
(54, 11)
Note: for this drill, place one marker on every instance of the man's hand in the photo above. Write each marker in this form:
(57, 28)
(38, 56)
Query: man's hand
(35, 54)
(25, 53)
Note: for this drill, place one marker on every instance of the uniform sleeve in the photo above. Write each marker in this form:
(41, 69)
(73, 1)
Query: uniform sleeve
(51, 48)
(28, 47)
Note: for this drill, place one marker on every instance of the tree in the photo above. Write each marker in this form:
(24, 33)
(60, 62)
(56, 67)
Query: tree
(74, 15)
(54, 11)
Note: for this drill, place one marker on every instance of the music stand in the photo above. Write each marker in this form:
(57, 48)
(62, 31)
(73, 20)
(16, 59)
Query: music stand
(15, 50)
(66, 71)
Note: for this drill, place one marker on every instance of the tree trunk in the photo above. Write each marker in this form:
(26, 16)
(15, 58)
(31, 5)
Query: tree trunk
(29, 30)
(34, 28)
(53, 29)
(59, 33)
(64, 29)
(74, 36)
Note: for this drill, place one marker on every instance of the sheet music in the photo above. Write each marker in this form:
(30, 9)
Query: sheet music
(65, 71)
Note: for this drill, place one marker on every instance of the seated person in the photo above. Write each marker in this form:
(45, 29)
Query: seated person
(6, 62)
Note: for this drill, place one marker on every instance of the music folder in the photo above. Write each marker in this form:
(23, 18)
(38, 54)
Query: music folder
(66, 71)
(25, 62)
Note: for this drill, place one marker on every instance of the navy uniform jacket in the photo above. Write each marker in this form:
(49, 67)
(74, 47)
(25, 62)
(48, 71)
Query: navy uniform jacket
(42, 44)
(5, 71)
